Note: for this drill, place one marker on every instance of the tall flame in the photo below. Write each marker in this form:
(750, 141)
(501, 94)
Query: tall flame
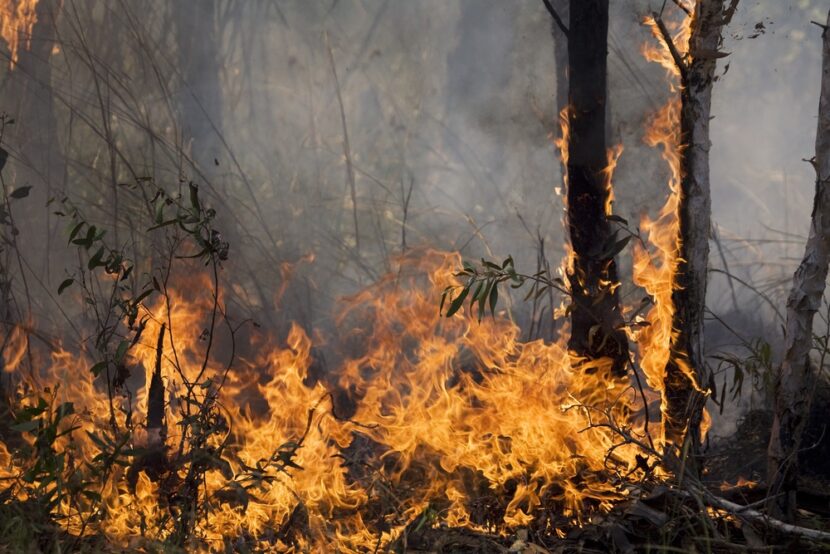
(655, 271)
(17, 19)
(448, 415)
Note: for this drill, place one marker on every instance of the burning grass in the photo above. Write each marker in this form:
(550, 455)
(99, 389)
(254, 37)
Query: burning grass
(457, 419)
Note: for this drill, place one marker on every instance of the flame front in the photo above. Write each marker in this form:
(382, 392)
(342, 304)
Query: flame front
(458, 416)
(442, 415)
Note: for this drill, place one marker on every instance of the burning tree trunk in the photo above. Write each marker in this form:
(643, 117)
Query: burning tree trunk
(595, 314)
(796, 378)
(686, 374)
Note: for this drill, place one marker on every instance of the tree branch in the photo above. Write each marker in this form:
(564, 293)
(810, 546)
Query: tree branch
(678, 59)
(730, 11)
(556, 18)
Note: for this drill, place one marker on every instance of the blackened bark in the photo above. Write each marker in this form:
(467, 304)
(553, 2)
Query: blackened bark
(797, 376)
(595, 314)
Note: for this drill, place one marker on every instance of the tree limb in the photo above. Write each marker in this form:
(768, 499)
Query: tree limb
(678, 59)
(556, 18)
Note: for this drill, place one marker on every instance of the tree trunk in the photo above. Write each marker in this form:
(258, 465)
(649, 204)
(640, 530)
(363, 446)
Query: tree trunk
(686, 374)
(34, 135)
(797, 377)
(595, 314)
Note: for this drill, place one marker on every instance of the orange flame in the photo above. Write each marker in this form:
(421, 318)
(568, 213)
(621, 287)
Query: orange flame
(17, 19)
(452, 414)
(655, 271)
(459, 412)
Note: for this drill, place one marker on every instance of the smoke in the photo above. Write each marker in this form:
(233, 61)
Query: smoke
(450, 110)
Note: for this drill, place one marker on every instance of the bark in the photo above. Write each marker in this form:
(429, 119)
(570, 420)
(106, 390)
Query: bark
(686, 375)
(595, 314)
(797, 377)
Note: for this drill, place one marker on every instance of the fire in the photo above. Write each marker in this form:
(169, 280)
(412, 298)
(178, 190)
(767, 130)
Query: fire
(443, 415)
(17, 19)
(655, 271)
(456, 415)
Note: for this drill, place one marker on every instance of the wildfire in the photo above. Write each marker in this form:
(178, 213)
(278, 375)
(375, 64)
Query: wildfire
(17, 19)
(448, 415)
(458, 413)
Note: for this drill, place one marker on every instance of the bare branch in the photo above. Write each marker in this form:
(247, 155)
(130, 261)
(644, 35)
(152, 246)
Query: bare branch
(556, 18)
(730, 11)
(680, 5)
(678, 59)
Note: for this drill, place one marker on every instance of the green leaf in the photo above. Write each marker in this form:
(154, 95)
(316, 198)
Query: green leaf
(98, 368)
(491, 265)
(476, 294)
(95, 260)
(75, 230)
(616, 218)
(21, 192)
(455, 305)
(65, 409)
(494, 298)
(617, 247)
(121, 351)
(65, 284)
(26, 426)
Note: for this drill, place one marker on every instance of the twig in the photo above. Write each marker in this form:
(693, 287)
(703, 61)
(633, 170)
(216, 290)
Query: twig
(754, 516)
(688, 12)
(556, 18)
(716, 238)
(678, 59)
(729, 12)
(346, 148)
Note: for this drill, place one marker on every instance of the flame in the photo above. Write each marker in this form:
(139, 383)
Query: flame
(458, 415)
(17, 19)
(14, 348)
(448, 416)
(655, 271)
(741, 483)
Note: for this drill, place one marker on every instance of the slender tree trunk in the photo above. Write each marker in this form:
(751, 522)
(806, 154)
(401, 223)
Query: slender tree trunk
(797, 377)
(35, 132)
(686, 375)
(595, 314)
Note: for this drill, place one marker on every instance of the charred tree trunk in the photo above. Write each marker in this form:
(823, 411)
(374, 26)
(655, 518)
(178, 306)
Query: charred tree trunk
(796, 379)
(686, 374)
(595, 314)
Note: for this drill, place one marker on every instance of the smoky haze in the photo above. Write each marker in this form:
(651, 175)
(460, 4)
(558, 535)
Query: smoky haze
(450, 111)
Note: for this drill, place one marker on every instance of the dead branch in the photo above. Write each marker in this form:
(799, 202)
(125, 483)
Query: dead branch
(683, 7)
(678, 59)
(555, 17)
(754, 516)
